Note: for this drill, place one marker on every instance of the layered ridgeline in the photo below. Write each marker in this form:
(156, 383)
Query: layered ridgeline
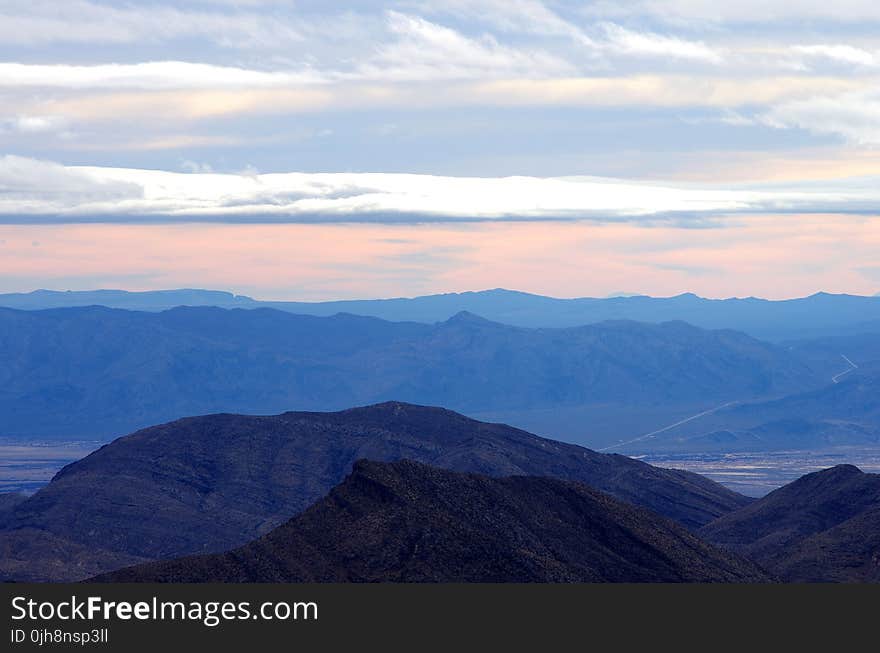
(817, 315)
(208, 484)
(407, 522)
(97, 372)
(823, 527)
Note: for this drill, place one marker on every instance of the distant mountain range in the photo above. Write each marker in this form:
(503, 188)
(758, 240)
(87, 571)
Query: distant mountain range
(211, 483)
(407, 522)
(96, 372)
(815, 316)
(823, 527)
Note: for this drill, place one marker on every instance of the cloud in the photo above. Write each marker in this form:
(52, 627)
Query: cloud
(415, 50)
(194, 166)
(38, 187)
(741, 11)
(852, 116)
(161, 108)
(158, 75)
(423, 50)
(513, 16)
(648, 44)
(94, 79)
(670, 90)
(40, 22)
(736, 119)
(34, 124)
(33, 190)
(840, 53)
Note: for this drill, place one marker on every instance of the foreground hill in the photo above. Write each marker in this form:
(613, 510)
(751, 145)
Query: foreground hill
(96, 372)
(807, 317)
(207, 484)
(407, 522)
(823, 527)
(8, 500)
(846, 553)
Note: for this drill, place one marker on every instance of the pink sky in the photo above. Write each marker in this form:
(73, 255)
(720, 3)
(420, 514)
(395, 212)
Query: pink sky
(768, 256)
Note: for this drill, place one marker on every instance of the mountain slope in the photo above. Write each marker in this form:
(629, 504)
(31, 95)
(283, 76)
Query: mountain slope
(29, 555)
(846, 553)
(96, 372)
(846, 413)
(211, 483)
(816, 528)
(8, 501)
(407, 522)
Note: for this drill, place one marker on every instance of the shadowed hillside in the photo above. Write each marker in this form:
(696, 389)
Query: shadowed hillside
(823, 527)
(407, 522)
(210, 483)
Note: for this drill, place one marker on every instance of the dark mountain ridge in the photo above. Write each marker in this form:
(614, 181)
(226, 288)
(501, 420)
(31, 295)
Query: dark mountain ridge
(210, 483)
(407, 522)
(821, 527)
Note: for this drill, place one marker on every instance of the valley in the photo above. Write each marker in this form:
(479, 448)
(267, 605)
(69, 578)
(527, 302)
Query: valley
(756, 474)
(28, 466)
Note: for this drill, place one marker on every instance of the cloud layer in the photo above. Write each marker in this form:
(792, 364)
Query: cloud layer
(32, 190)
(236, 83)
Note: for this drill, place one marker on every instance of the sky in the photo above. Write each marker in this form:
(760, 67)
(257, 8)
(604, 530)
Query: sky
(314, 150)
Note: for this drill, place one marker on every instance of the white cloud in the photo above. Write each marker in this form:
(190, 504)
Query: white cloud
(841, 53)
(603, 39)
(736, 119)
(853, 116)
(149, 75)
(196, 167)
(92, 64)
(741, 11)
(423, 50)
(648, 44)
(516, 16)
(34, 190)
(153, 108)
(33, 186)
(34, 124)
(416, 50)
(37, 22)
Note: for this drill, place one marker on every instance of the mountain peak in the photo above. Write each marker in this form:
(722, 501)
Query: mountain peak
(821, 478)
(393, 406)
(840, 471)
(466, 317)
